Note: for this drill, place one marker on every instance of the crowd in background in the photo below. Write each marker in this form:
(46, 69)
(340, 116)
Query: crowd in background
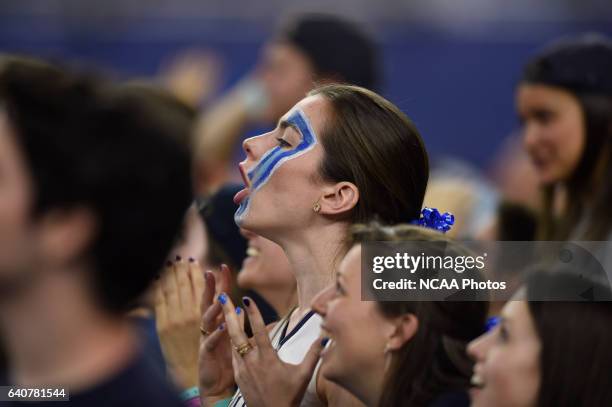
(140, 264)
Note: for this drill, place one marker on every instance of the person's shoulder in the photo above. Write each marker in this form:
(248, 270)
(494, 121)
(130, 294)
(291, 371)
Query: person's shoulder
(139, 384)
(147, 385)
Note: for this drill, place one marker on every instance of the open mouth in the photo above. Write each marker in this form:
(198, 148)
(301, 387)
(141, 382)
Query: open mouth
(243, 193)
(477, 381)
(252, 251)
(243, 174)
(331, 343)
(539, 159)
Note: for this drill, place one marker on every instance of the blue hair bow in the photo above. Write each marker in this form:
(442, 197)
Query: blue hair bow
(433, 219)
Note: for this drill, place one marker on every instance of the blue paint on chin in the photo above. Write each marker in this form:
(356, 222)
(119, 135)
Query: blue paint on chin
(241, 211)
(274, 158)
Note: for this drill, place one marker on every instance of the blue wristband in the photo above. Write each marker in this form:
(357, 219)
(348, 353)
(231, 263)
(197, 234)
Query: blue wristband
(190, 393)
(223, 403)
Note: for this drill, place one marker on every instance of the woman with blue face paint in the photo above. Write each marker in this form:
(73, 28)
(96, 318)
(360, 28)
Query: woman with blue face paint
(342, 155)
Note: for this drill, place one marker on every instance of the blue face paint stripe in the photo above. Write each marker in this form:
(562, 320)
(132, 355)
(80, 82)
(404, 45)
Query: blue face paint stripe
(262, 161)
(264, 169)
(276, 156)
(298, 119)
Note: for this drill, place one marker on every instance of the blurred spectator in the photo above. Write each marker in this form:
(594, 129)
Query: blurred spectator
(93, 194)
(515, 223)
(310, 49)
(457, 187)
(193, 76)
(514, 174)
(565, 103)
(174, 120)
(226, 245)
(266, 270)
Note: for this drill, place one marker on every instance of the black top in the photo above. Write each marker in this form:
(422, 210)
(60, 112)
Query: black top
(456, 398)
(138, 384)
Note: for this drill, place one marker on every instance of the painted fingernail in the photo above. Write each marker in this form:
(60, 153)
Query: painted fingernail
(246, 301)
(222, 327)
(324, 342)
(222, 299)
(238, 310)
(168, 263)
(178, 258)
(191, 260)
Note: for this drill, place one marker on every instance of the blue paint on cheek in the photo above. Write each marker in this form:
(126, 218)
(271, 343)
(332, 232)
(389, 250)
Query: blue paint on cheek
(275, 157)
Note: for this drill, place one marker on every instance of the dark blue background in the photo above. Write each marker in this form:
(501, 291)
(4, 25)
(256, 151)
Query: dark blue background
(458, 88)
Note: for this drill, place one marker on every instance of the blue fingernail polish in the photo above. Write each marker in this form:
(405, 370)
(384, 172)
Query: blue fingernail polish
(238, 310)
(222, 299)
(246, 301)
(324, 342)
(222, 327)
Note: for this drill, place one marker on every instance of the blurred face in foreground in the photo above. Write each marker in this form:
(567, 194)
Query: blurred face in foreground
(15, 201)
(507, 371)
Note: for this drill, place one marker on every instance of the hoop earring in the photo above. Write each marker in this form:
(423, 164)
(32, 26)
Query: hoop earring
(316, 207)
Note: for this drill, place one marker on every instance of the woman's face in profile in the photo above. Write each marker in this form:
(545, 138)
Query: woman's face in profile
(357, 329)
(553, 130)
(281, 172)
(507, 369)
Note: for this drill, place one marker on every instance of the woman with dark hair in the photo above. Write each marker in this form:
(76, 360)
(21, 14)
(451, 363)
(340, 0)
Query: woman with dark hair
(564, 101)
(385, 353)
(413, 353)
(342, 155)
(546, 353)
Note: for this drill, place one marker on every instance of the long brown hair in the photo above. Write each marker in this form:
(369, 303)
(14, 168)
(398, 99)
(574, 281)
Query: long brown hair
(575, 356)
(433, 362)
(580, 66)
(588, 190)
(368, 141)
